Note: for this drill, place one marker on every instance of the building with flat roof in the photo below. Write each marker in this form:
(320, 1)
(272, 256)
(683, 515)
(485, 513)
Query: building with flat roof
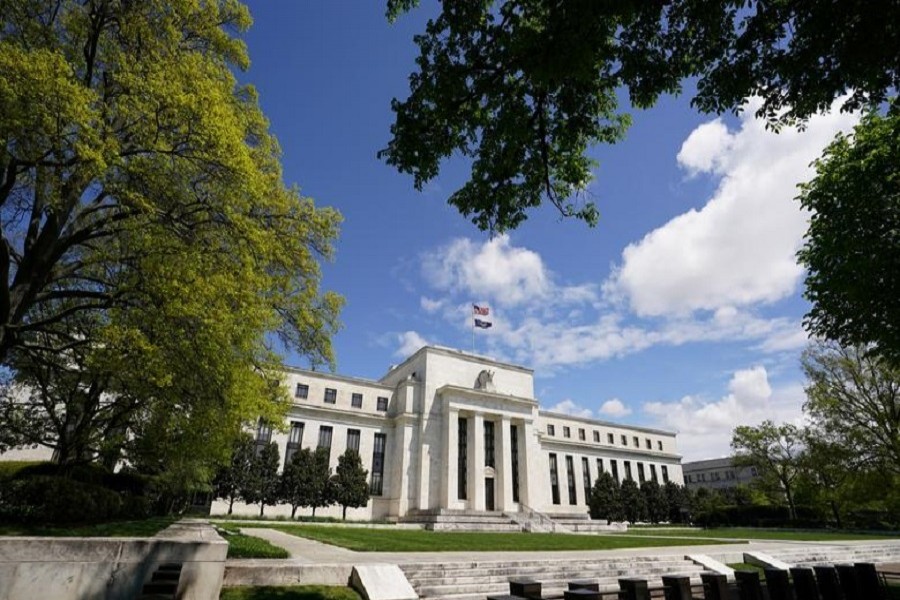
(716, 474)
(453, 431)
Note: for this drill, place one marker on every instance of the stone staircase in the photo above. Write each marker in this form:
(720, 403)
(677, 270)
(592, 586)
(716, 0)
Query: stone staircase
(584, 524)
(442, 519)
(810, 555)
(478, 579)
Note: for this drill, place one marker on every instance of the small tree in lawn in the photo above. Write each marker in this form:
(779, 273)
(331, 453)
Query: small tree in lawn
(320, 493)
(655, 501)
(296, 480)
(677, 502)
(633, 501)
(231, 478)
(605, 501)
(349, 485)
(263, 482)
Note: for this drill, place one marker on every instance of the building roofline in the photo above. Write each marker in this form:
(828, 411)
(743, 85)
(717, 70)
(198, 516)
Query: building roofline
(471, 357)
(560, 415)
(709, 462)
(344, 378)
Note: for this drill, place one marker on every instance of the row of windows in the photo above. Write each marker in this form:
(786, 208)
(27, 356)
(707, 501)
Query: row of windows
(356, 399)
(610, 438)
(714, 476)
(295, 438)
(586, 475)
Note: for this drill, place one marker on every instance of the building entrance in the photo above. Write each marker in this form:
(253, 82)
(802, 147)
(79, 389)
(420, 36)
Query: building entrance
(488, 493)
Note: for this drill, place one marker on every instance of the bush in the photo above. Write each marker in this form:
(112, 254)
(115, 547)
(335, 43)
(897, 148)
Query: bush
(11, 468)
(51, 499)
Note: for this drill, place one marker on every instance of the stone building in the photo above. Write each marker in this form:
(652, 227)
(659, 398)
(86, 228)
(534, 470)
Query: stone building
(716, 474)
(449, 431)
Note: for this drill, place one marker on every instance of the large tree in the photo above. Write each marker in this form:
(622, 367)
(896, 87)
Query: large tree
(147, 232)
(525, 87)
(775, 451)
(852, 249)
(605, 501)
(232, 478)
(855, 397)
(262, 484)
(349, 485)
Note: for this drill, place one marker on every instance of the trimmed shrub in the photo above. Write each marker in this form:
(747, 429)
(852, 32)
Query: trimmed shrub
(52, 499)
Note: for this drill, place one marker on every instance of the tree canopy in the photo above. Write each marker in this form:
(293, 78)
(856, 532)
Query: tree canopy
(852, 248)
(775, 451)
(149, 240)
(525, 87)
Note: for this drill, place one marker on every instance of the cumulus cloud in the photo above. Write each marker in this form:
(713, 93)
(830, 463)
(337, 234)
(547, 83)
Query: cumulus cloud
(409, 342)
(614, 408)
(568, 407)
(705, 427)
(429, 305)
(739, 248)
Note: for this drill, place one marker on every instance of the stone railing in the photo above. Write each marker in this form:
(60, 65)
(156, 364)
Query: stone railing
(535, 521)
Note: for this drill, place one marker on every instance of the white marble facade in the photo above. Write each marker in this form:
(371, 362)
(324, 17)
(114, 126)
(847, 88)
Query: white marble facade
(461, 431)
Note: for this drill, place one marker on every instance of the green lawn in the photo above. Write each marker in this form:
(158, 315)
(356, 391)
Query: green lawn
(143, 528)
(247, 546)
(746, 533)
(413, 540)
(295, 592)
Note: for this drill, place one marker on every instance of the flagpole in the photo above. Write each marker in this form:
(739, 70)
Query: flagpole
(473, 332)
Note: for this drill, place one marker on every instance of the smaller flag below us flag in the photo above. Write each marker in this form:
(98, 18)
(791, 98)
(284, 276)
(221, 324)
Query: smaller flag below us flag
(481, 310)
(483, 324)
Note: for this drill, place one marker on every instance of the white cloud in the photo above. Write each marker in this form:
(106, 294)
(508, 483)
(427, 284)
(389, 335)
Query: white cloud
(429, 305)
(739, 249)
(409, 342)
(614, 408)
(705, 427)
(568, 407)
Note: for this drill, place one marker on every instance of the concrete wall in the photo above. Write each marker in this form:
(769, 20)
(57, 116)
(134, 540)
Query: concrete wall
(111, 568)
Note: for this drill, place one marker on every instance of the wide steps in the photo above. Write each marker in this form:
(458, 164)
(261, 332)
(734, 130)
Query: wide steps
(462, 520)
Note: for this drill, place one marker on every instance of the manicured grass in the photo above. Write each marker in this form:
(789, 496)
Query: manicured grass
(747, 567)
(143, 528)
(747, 533)
(412, 540)
(294, 592)
(247, 546)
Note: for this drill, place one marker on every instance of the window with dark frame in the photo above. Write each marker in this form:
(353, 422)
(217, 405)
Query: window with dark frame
(624, 440)
(596, 437)
(627, 469)
(637, 441)
(599, 466)
(382, 404)
(295, 438)
(554, 479)
(649, 444)
(581, 434)
(488, 443)
(653, 474)
(353, 440)
(659, 445)
(641, 476)
(567, 433)
(302, 391)
(462, 433)
(376, 487)
(263, 435)
(665, 473)
(324, 436)
(610, 438)
(514, 442)
(330, 395)
(551, 430)
(570, 476)
(586, 475)
(614, 467)
(356, 400)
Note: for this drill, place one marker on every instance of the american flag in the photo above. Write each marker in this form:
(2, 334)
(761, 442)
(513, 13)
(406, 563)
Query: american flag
(481, 310)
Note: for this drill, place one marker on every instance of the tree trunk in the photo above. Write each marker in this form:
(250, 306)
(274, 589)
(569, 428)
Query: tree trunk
(792, 511)
(344, 515)
(293, 510)
(262, 507)
(314, 512)
(231, 504)
(836, 513)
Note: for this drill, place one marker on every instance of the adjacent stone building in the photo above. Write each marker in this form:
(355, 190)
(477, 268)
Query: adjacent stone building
(448, 430)
(716, 474)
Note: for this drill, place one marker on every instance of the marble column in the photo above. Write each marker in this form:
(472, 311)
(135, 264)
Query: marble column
(476, 462)
(503, 464)
(530, 471)
(450, 457)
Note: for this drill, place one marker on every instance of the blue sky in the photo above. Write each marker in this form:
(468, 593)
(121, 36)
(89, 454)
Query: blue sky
(682, 309)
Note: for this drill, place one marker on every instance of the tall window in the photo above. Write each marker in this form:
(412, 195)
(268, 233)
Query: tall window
(659, 445)
(653, 474)
(567, 432)
(570, 475)
(665, 473)
(624, 440)
(551, 430)
(614, 467)
(514, 441)
(462, 441)
(610, 439)
(637, 441)
(488, 443)
(377, 486)
(295, 437)
(302, 391)
(596, 437)
(353, 440)
(263, 435)
(586, 475)
(641, 477)
(382, 404)
(554, 479)
(330, 395)
(325, 437)
(627, 469)
(599, 466)
(581, 434)
(649, 444)
(356, 400)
